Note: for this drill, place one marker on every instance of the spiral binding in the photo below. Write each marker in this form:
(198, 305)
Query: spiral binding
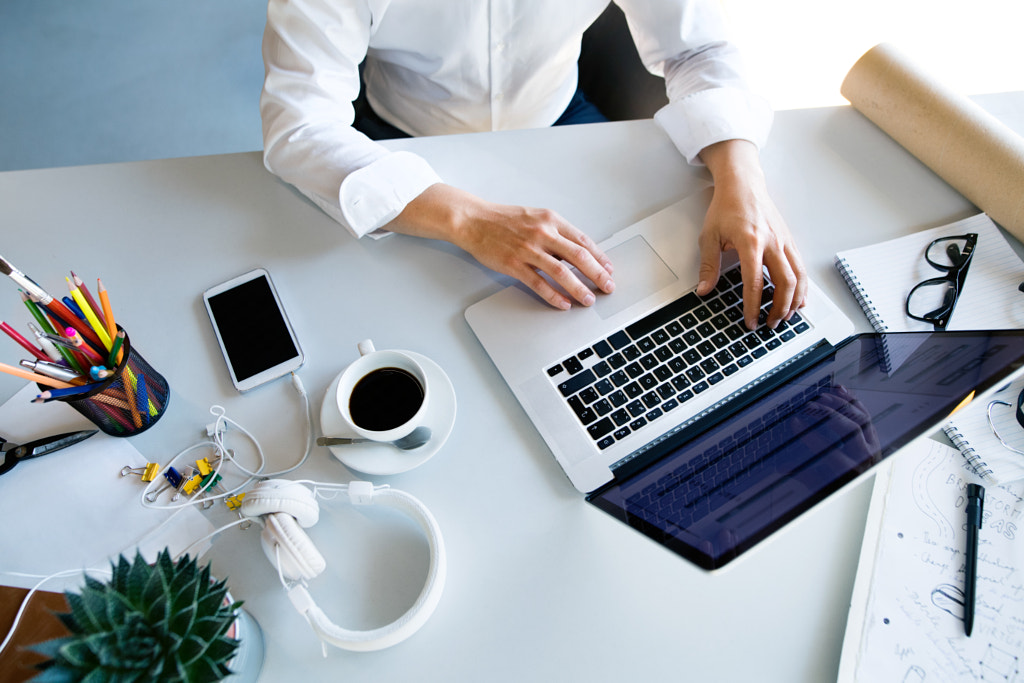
(866, 304)
(972, 456)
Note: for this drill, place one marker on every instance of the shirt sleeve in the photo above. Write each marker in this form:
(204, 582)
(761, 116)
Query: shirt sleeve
(311, 55)
(710, 100)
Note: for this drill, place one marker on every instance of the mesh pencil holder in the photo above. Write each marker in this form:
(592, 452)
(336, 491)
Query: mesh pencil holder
(128, 402)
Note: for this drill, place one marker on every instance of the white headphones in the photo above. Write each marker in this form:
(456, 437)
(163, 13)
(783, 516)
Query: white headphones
(285, 507)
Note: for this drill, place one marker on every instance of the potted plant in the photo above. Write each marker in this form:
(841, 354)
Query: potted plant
(166, 621)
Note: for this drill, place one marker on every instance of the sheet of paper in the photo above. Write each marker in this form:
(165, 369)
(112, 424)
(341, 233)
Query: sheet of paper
(906, 616)
(72, 509)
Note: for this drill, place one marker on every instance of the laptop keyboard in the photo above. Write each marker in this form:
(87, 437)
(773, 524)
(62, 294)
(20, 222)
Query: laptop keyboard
(624, 382)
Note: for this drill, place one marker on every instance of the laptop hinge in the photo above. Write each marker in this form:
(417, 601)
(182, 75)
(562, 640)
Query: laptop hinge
(654, 450)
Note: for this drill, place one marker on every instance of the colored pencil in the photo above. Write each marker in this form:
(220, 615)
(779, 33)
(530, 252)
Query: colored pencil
(34, 377)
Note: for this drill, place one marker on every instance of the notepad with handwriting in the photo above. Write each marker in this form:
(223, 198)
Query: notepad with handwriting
(881, 276)
(906, 611)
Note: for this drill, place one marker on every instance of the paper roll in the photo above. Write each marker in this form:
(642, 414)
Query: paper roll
(962, 143)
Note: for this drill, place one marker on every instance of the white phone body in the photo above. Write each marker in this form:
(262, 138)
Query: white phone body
(253, 331)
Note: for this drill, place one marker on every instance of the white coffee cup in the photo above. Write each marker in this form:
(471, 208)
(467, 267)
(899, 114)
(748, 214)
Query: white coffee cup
(390, 391)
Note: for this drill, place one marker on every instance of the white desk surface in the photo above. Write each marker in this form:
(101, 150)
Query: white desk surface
(541, 585)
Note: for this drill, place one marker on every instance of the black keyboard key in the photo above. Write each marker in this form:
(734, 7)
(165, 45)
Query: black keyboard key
(618, 340)
(572, 365)
(622, 433)
(758, 352)
(734, 276)
(588, 395)
(744, 361)
(602, 407)
(670, 405)
(674, 328)
(645, 344)
(737, 349)
(637, 423)
(691, 356)
(620, 417)
(603, 349)
(616, 361)
(716, 305)
(617, 398)
(707, 365)
(663, 353)
(634, 370)
(727, 370)
(699, 387)
(716, 378)
(703, 313)
(585, 354)
(720, 341)
(586, 416)
(554, 370)
(720, 322)
(663, 316)
(636, 408)
(705, 330)
(666, 390)
(692, 337)
(723, 357)
(801, 328)
(601, 369)
(653, 415)
(619, 378)
(600, 429)
(651, 399)
(695, 374)
(676, 365)
(677, 345)
(751, 341)
(633, 390)
(659, 336)
(603, 387)
(731, 299)
(606, 442)
(787, 335)
(631, 352)
(773, 344)
(737, 331)
(663, 373)
(706, 348)
(576, 382)
(689, 321)
(649, 361)
(648, 382)
(680, 383)
(685, 396)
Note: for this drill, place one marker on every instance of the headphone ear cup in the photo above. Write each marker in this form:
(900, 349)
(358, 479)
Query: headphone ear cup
(281, 495)
(282, 538)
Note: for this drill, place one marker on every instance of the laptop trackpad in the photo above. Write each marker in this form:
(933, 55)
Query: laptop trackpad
(639, 272)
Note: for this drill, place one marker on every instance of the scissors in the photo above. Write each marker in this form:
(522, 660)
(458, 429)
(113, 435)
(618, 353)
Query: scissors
(11, 453)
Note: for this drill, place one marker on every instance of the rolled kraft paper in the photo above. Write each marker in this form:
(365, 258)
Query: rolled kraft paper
(962, 143)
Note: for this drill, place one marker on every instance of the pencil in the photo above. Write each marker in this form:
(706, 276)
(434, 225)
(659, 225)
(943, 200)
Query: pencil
(34, 377)
(90, 315)
(24, 343)
(97, 309)
(82, 347)
(108, 317)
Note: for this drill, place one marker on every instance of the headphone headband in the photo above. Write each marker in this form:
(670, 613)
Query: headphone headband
(287, 504)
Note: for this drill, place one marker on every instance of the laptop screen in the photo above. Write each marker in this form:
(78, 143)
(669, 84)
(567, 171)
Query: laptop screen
(715, 489)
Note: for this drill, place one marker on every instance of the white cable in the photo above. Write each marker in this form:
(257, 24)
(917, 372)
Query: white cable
(210, 535)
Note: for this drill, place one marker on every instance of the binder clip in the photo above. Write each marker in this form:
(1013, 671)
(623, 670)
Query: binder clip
(234, 502)
(173, 481)
(147, 473)
(183, 480)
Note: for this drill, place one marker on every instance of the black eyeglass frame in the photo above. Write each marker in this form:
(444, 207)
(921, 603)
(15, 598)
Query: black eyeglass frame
(955, 274)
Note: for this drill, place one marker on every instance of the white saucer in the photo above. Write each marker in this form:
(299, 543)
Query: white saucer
(380, 458)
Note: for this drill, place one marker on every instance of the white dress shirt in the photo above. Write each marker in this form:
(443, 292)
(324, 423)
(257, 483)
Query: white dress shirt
(457, 66)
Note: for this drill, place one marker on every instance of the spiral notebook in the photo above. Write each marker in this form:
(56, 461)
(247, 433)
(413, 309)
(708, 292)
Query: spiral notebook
(993, 448)
(880, 277)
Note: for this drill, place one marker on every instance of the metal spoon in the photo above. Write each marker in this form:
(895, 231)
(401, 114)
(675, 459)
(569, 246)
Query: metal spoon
(410, 441)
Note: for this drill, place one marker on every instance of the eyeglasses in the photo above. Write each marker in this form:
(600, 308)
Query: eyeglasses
(1019, 415)
(933, 300)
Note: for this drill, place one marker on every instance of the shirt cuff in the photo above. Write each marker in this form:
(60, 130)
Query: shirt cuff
(374, 195)
(715, 115)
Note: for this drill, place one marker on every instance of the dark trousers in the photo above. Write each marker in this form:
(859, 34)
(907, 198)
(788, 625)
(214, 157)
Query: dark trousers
(580, 110)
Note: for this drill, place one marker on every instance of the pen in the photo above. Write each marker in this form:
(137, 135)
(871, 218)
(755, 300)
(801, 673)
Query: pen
(73, 307)
(52, 394)
(975, 504)
(53, 370)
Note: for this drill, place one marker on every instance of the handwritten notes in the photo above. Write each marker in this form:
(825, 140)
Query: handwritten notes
(906, 614)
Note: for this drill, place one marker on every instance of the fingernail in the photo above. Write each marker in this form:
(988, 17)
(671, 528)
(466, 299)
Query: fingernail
(608, 286)
(752, 324)
(588, 300)
(565, 304)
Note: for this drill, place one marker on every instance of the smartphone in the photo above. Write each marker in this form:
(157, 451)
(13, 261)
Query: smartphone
(255, 336)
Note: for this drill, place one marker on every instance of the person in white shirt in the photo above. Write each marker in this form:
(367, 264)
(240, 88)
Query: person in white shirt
(457, 66)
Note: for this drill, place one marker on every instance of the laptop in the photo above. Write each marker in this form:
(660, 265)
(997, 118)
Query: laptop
(671, 416)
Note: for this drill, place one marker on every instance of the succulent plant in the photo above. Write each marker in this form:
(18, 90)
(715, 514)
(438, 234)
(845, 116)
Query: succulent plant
(165, 621)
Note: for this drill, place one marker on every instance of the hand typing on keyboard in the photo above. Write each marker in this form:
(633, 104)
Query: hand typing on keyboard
(743, 217)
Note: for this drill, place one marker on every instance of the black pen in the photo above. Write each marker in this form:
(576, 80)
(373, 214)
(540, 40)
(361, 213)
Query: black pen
(975, 503)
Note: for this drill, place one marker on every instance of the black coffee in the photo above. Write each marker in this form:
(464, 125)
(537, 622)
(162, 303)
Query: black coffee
(384, 399)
